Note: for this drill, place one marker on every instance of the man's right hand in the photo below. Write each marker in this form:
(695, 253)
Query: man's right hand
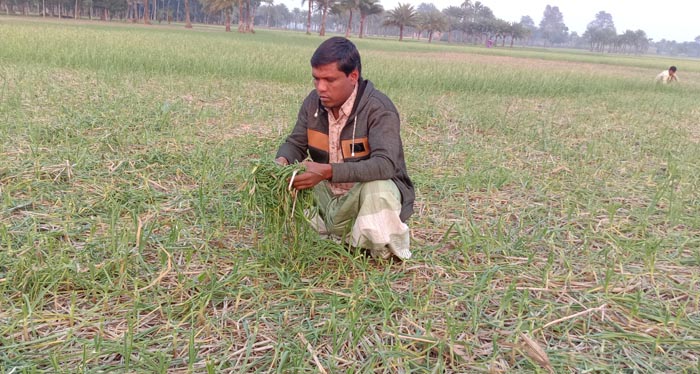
(313, 175)
(281, 161)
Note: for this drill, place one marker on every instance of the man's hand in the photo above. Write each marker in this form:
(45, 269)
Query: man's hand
(315, 173)
(281, 161)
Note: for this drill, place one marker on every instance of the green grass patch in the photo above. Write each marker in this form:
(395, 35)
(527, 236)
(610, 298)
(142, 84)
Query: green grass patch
(557, 210)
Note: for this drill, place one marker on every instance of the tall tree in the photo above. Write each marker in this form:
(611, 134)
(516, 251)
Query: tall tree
(601, 31)
(501, 29)
(216, 6)
(433, 21)
(188, 23)
(267, 11)
(146, 14)
(454, 16)
(308, 15)
(325, 5)
(529, 25)
(421, 17)
(251, 6)
(518, 31)
(641, 41)
(552, 26)
(368, 8)
(401, 16)
(348, 6)
(246, 15)
(308, 19)
(477, 20)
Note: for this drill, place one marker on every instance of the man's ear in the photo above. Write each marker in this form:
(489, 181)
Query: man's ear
(354, 75)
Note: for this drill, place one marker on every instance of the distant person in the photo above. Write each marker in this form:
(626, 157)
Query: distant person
(347, 135)
(667, 76)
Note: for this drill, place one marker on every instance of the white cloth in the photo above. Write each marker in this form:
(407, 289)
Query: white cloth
(666, 77)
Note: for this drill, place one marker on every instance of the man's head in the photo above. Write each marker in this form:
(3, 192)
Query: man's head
(336, 68)
(672, 70)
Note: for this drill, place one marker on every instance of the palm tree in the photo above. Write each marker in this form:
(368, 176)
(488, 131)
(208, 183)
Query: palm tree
(349, 6)
(246, 14)
(434, 21)
(215, 6)
(454, 17)
(501, 29)
(368, 8)
(188, 24)
(642, 42)
(251, 6)
(308, 19)
(146, 15)
(401, 16)
(325, 5)
(518, 31)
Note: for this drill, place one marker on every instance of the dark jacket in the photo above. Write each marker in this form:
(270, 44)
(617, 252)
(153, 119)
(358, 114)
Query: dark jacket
(372, 131)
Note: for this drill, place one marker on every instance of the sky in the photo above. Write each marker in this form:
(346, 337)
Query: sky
(677, 20)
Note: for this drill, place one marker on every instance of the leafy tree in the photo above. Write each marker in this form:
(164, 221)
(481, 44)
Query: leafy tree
(529, 27)
(641, 41)
(246, 15)
(601, 31)
(454, 16)
(477, 19)
(368, 8)
(421, 11)
(500, 29)
(426, 8)
(108, 7)
(348, 6)
(146, 14)
(296, 16)
(552, 26)
(215, 6)
(482, 12)
(518, 31)
(188, 23)
(431, 22)
(308, 19)
(402, 16)
(324, 5)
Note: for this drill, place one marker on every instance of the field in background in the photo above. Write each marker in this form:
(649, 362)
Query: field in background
(557, 224)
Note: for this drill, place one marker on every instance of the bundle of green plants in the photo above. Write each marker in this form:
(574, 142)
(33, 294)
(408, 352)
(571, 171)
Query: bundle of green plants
(280, 213)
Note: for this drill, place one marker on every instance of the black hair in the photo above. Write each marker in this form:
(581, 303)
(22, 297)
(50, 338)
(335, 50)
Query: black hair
(672, 68)
(340, 50)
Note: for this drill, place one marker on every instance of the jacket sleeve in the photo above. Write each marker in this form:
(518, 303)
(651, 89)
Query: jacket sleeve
(295, 146)
(385, 148)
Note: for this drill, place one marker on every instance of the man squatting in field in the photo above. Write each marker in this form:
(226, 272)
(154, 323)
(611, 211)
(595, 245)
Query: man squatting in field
(667, 76)
(357, 170)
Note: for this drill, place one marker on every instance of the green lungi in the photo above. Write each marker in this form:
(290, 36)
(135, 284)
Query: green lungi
(367, 216)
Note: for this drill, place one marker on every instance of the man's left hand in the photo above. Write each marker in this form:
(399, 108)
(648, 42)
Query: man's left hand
(315, 173)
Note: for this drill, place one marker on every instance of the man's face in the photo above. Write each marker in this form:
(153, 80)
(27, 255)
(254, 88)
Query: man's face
(332, 85)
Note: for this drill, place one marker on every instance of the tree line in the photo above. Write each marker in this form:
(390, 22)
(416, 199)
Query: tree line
(469, 22)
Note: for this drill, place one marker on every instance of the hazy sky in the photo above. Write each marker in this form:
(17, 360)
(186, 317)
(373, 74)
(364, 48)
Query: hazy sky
(677, 20)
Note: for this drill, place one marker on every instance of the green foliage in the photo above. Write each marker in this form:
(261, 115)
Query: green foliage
(281, 213)
(404, 15)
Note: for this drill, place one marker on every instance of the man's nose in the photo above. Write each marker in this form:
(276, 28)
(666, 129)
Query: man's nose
(321, 86)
